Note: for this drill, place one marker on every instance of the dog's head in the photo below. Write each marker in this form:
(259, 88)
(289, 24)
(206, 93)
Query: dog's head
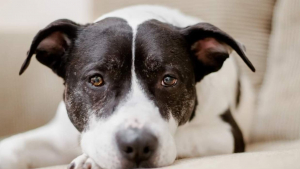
(128, 90)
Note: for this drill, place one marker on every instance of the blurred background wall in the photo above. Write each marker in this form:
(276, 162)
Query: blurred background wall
(30, 100)
(31, 15)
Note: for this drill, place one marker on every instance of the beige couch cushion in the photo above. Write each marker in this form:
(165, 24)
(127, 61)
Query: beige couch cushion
(278, 115)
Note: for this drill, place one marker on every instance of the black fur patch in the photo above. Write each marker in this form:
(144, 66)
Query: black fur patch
(161, 50)
(238, 93)
(239, 144)
(105, 49)
(194, 111)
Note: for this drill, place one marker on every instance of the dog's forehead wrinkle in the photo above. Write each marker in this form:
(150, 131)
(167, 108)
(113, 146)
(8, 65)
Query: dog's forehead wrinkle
(112, 63)
(153, 63)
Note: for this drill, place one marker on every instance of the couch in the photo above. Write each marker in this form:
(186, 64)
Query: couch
(270, 31)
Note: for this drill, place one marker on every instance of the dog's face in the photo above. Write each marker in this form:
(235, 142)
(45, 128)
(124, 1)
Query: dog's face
(128, 90)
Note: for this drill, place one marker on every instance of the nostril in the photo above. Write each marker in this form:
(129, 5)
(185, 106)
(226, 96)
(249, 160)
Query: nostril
(146, 150)
(129, 150)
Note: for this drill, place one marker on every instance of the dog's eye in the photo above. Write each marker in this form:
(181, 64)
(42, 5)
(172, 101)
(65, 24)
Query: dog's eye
(96, 80)
(169, 81)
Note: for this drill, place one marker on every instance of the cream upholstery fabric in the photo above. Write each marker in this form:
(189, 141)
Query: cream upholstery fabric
(278, 114)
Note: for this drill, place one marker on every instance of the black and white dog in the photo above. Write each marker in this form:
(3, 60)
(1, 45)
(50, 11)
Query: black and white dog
(144, 85)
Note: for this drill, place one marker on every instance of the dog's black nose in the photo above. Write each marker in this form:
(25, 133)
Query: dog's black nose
(136, 145)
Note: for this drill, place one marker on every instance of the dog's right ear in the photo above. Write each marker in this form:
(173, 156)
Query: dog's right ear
(51, 44)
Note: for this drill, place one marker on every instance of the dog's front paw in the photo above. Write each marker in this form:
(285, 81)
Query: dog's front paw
(83, 162)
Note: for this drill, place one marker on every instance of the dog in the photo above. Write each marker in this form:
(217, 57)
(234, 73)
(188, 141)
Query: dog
(144, 85)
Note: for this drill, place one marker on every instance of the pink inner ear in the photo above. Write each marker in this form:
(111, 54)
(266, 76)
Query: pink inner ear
(208, 43)
(55, 43)
(201, 47)
(204, 49)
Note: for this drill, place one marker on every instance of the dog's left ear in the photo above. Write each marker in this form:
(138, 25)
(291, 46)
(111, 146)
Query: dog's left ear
(51, 45)
(210, 47)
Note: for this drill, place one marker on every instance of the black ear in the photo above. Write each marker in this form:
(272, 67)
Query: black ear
(210, 47)
(50, 45)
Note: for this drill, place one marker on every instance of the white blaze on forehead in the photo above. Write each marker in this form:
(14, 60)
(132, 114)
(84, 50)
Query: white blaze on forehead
(136, 15)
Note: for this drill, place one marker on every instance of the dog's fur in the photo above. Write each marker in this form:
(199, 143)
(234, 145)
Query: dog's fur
(133, 49)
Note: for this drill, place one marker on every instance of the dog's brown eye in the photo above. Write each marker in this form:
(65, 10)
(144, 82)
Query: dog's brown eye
(96, 80)
(169, 81)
